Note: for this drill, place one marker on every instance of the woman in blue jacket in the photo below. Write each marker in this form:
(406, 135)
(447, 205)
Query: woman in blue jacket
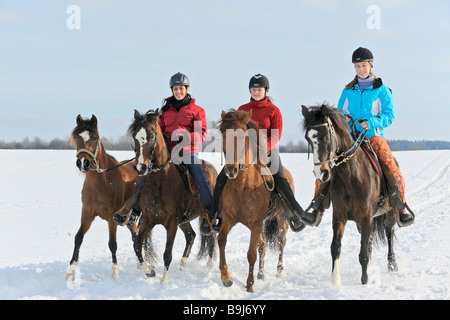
(367, 98)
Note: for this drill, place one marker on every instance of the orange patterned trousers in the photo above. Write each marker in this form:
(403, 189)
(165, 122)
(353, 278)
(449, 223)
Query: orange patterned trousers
(384, 154)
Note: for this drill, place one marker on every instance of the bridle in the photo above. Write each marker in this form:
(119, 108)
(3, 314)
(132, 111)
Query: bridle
(95, 161)
(150, 165)
(335, 158)
(254, 162)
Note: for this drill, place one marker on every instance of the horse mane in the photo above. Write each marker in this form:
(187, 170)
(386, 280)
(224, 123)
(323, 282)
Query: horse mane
(233, 116)
(319, 113)
(143, 119)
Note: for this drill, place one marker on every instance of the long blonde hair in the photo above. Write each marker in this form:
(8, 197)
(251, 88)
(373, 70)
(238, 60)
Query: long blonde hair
(355, 79)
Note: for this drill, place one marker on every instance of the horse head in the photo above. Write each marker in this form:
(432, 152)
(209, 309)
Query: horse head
(145, 132)
(86, 139)
(323, 126)
(239, 134)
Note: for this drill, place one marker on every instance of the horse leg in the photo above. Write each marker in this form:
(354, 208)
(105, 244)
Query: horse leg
(338, 232)
(138, 242)
(222, 242)
(112, 244)
(189, 234)
(72, 274)
(255, 237)
(171, 233)
(392, 263)
(364, 251)
(281, 243)
(262, 255)
(211, 244)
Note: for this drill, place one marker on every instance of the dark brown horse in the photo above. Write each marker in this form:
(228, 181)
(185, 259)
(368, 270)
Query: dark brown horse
(247, 197)
(355, 188)
(164, 198)
(105, 189)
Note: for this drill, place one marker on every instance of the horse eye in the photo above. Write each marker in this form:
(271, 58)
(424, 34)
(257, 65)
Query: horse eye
(325, 138)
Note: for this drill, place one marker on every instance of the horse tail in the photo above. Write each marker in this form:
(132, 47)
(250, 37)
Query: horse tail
(270, 233)
(207, 246)
(379, 229)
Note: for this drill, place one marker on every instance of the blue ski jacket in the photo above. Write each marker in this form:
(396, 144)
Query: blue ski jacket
(374, 104)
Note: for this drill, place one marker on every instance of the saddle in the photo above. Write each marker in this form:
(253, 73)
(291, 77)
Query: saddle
(388, 188)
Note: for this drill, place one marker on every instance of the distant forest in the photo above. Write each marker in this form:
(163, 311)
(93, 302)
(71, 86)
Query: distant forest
(125, 143)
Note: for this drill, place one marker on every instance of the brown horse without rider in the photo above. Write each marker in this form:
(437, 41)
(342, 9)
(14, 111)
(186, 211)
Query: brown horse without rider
(105, 189)
(247, 197)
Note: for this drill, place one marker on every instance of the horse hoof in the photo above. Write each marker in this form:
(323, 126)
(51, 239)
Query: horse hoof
(228, 283)
(392, 267)
(151, 274)
(364, 279)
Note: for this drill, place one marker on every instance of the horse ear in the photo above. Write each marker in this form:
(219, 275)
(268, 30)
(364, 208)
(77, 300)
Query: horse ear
(324, 110)
(223, 114)
(79, 119)
(158, 112)
(248, 116)
(305, 111)
(136, 114)
(94, 120)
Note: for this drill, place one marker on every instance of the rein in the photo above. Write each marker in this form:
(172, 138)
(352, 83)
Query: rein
(335, 159)
(95, 161)
(150, 167)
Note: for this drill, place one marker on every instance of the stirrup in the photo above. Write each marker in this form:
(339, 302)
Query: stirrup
(407, 222)
(312, 218)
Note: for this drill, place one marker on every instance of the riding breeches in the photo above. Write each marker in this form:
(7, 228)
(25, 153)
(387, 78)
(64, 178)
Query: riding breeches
(384, 154)
(200, 179)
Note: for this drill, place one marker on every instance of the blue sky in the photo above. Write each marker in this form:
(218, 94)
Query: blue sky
(123, 55)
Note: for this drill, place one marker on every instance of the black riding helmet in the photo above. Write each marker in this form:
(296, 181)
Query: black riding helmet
(259, 81)
(362, 54)
(179, 79)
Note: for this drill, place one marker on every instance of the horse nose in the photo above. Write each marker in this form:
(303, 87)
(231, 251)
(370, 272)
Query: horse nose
(141, 169)
(325, 175)
(83, 165)
(231, 174)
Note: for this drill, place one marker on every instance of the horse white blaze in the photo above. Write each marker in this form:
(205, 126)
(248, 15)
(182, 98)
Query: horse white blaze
(141, 137)
(312, 135)
(85, 136)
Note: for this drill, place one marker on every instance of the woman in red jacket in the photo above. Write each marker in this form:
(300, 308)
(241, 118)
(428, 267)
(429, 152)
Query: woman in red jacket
(180, 117)
(269, 118)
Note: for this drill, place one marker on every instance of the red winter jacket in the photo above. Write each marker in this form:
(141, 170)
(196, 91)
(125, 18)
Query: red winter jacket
(268, 117)
(191, 118)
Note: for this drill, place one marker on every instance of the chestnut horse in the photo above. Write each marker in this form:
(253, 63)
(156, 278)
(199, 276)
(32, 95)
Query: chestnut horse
(107, 185)
(164, 198)
(247, 196)
(355, 188)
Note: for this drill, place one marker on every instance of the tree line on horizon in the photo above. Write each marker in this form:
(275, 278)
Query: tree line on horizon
(126, 143)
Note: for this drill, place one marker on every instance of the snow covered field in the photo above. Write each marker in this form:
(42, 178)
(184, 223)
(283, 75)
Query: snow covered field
(40, 210)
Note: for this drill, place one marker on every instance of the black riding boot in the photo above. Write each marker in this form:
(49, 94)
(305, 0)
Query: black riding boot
(215, 214)
(293, 210)
(405, 218)
(128, 211)
(320, 203)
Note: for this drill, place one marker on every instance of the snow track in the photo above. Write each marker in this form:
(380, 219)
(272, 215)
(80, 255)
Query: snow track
(40, 210)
